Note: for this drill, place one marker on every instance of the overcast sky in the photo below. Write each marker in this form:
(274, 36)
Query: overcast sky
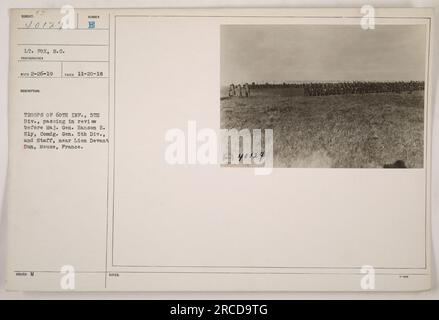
(321, 53)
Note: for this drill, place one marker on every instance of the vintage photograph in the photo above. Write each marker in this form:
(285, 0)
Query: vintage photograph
(335, 96)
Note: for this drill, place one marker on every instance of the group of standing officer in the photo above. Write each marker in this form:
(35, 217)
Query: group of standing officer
(239, 90)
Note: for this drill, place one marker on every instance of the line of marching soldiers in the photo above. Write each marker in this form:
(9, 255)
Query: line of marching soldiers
(324, 89)
(239, 90)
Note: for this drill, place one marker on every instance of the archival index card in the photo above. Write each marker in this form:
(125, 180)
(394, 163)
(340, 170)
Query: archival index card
(219, 150)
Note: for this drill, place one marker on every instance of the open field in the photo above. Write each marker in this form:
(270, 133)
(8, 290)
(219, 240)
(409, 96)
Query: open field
(341, 131)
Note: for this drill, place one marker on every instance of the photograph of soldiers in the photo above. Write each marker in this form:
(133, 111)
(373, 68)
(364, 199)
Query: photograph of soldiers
(331, 103)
